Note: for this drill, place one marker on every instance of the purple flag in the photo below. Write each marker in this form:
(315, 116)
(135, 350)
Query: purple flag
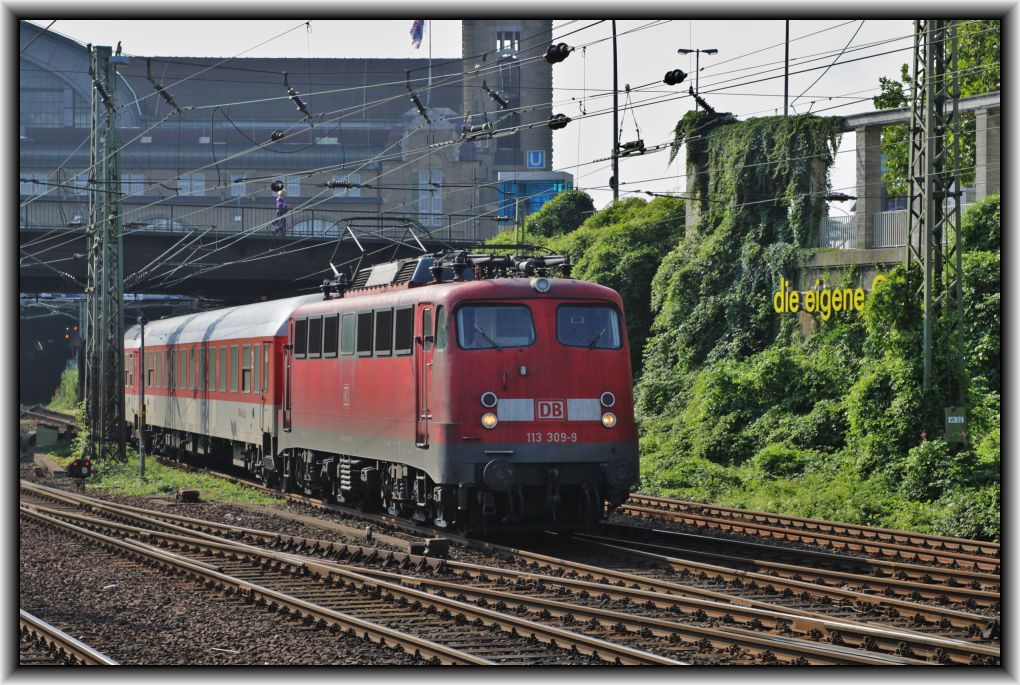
(417, 29)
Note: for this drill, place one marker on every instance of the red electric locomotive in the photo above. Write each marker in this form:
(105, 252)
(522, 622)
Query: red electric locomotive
(469, 390)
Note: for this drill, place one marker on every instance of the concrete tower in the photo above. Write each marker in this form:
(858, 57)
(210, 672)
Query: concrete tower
(506, 55)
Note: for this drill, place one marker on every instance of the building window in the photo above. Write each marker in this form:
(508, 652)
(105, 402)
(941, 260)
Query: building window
(430, 198)
(348, 192)
(293, 185)
(42, 107)
(508, 40)
(237, 186)
(132, 184)
(191, 185)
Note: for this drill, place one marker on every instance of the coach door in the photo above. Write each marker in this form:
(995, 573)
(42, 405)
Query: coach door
(424, 344)
(264, 388)
(288, 355)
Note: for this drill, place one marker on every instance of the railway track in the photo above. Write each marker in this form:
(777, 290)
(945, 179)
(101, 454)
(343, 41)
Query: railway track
(714, 581)
(434, 627)
(610, 605)
(965, 590)
(955, 553)
(49, 417)
(45, 645)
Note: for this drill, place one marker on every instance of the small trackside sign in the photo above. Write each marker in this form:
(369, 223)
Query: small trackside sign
(551, 410)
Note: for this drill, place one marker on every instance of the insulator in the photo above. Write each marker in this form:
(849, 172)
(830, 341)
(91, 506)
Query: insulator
(277, 135)
(633, 145)
(557, 53)
(276, 186)
(674, 77)
(558, 121)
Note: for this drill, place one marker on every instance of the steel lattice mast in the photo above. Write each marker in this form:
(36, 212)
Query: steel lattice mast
(934, 238)
(104, 323)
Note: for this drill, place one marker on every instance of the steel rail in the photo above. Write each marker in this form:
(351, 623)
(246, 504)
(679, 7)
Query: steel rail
(253, 592)
(955, 578)
(865, 636)
(514, 625)
(889, 586)
(982, 563)
(981, 624)
(954, 617)
(820, 525)
(755, 643)
(59, 641)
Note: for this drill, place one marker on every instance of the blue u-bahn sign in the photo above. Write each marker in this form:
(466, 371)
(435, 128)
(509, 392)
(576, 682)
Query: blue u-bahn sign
(536, 159)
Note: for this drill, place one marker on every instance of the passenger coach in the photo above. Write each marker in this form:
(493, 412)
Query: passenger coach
(461, 389)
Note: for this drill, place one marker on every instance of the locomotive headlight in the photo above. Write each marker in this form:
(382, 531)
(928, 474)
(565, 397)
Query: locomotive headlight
(607, 399)
(541, 284)
(609, 419)
(488, 400)
(489, 420)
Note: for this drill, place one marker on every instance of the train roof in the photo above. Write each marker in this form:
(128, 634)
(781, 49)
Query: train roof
(261, 319)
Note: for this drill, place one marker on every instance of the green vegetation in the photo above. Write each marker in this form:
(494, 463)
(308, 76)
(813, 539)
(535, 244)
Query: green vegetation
(65, 398)
(979, 72)
(837, 425)
(560, 215)
(122, 479)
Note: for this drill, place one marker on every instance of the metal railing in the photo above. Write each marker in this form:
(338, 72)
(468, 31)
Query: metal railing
(889, 229)
(71, 215)
(839, 232)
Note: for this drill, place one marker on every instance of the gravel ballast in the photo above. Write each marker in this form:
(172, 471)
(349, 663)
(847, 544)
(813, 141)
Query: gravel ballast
(140, 616)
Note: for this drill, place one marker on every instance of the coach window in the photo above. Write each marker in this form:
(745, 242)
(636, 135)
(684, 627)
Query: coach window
(330, 333)
(364, 334)
(221, 371)
(256, 357)
(383, 332)
(440, 327)
(201, 369)
(233, 368)
(192, 368)
(246, 368)
(265, 368)
(300, 338)
(403, 331)
(315, 337)
(210, 367)
(182, 369)
(167, 363)
(347, 334)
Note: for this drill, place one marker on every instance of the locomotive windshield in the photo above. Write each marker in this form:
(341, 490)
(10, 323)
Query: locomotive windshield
(481, 327)
(591, 326)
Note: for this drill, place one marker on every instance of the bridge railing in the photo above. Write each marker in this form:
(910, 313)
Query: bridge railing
(70, 215)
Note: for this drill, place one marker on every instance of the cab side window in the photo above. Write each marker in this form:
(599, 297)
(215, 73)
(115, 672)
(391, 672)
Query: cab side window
(441, 327)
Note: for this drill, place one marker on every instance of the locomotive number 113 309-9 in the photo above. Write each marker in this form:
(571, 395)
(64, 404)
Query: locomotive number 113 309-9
(551, 437)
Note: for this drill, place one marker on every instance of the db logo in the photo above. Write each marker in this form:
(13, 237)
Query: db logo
(552, 410)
